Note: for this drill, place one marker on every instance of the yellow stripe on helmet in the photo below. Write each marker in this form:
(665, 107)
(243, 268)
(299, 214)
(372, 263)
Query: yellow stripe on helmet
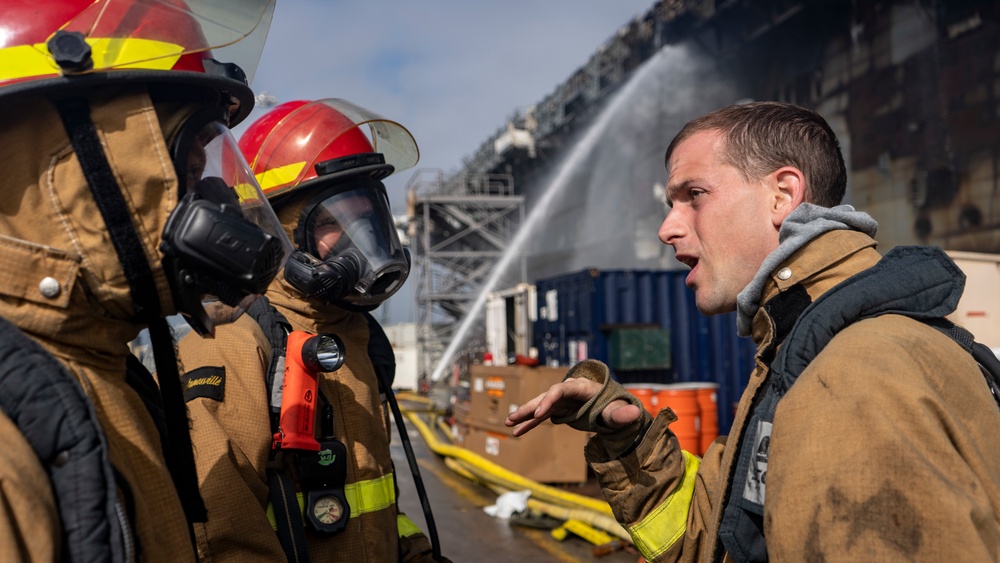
(280, 176)
(26, 61)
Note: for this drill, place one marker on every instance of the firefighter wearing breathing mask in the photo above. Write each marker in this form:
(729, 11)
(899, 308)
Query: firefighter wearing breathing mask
(321, 164)
(125, 200)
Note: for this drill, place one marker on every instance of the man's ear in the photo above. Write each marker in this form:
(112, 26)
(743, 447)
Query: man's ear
(789, 191)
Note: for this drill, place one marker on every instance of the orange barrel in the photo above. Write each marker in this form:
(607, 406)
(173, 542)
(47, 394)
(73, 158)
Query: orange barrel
(708, 401)
(684, 402)
(646, 395)
(708, 404)
(706, 395)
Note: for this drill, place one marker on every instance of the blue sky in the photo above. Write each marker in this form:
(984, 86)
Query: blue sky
(450, 71)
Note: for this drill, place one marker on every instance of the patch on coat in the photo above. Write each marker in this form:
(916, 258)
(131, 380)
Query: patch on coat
(208, 382)
(757, 472)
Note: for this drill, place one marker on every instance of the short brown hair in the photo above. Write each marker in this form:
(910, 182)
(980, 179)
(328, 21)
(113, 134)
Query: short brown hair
(761, 137)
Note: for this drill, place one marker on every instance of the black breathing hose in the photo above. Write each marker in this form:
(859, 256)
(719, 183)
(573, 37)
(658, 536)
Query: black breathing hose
(417, 480)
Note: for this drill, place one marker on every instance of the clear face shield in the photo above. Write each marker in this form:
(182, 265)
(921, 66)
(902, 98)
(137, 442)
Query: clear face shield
(350, 240)
(223, 244)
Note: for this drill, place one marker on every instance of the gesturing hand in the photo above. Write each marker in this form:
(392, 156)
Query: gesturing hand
(565, 398)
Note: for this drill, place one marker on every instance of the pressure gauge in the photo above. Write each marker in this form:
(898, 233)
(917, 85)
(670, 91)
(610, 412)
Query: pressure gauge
(328, 511)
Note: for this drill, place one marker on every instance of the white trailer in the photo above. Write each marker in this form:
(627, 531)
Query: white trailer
(979, 309)
(510, 318)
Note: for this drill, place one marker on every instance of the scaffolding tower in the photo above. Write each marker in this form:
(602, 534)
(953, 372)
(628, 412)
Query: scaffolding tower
(459, 227)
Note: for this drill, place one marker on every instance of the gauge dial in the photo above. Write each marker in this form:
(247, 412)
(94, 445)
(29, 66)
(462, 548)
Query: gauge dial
(328, 509)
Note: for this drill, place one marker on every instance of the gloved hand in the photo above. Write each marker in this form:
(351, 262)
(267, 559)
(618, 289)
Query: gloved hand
(416, 548)
(618, 431)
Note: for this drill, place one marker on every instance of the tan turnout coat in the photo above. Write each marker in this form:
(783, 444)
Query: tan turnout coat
(885, 449)
(232, 440)
(51, 227)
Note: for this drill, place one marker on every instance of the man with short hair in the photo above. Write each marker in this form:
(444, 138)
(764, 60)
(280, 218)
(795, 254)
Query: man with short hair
(867, 430)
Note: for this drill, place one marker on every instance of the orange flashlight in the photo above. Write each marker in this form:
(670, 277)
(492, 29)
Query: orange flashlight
(306, 356)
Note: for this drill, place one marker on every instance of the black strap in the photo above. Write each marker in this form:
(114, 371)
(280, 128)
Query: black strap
(179, 455)
(82, 134)
(276, 328)
(142, 382)
(990, 366)
(291, 530)
(384, 361)
(380, 352)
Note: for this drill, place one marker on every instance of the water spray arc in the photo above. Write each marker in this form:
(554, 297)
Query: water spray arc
(618, 103)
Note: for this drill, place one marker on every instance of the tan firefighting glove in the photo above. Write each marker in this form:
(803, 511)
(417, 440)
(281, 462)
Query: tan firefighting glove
(414, 546)
(616, 441)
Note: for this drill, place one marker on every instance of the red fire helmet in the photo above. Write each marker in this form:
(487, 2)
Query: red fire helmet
(284, 146)
(72, 44)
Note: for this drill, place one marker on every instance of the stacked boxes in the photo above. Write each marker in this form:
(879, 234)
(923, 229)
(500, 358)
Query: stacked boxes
(549, 453)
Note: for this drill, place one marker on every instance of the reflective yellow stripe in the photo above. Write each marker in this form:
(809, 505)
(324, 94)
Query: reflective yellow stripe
(25, 61)
(134, 53)
(406, 526)
(276, 177)
(371, 496)
(363, 497)
(666, 524)
(22, 61)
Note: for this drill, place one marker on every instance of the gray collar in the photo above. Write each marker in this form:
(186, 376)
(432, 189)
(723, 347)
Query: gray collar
(802, 225)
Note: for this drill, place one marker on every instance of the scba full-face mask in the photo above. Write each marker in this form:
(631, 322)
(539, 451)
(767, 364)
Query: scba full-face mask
(349, 252)
(322, 164)
(222, 244)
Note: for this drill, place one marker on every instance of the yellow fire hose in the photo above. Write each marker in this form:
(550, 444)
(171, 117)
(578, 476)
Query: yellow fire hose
(507, 478)
(582, 529)
(594, 520)
(589, 518)
(443, 427)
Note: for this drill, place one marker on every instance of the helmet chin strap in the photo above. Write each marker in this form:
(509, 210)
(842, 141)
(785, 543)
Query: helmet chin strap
(82, 133)
(75, 114)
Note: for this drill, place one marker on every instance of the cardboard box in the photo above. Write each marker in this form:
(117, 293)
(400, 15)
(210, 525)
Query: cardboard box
(496, 391)
(460, 410)
(550, 453)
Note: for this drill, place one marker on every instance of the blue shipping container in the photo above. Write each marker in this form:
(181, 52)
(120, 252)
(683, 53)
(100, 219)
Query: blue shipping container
(577, 311)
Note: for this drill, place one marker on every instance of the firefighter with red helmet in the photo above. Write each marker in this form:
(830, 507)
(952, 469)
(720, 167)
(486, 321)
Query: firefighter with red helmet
(321, 164)
(125, 201)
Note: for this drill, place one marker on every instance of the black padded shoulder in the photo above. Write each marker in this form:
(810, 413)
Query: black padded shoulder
(49, 407)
